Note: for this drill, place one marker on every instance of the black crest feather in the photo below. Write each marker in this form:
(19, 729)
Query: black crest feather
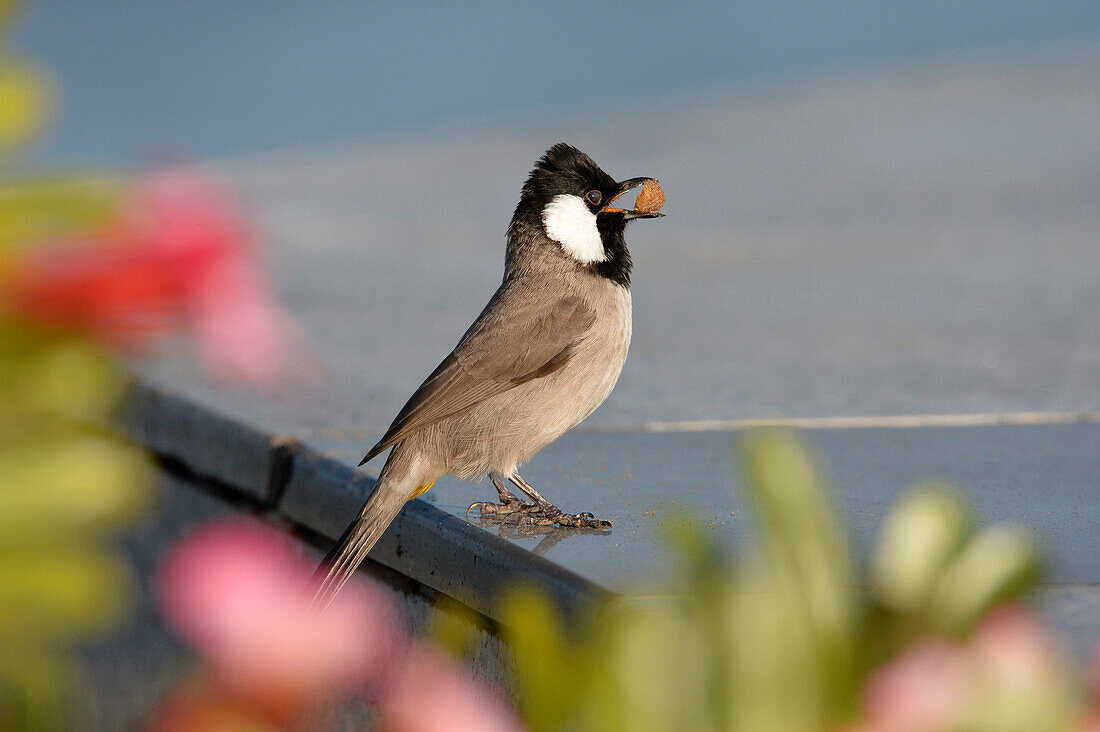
(565, 169)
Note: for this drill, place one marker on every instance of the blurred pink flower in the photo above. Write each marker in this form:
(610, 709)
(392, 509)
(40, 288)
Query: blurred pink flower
(178, 254)
(432, 693)
(1092, 671)
(194, 224)
(938, 684)
(1013, 650)
(237, 591)
(240, 593)
(923, 690)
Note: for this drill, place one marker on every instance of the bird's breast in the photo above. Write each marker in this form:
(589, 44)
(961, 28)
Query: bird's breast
(508, 429)
(574, 392)
(602, 353)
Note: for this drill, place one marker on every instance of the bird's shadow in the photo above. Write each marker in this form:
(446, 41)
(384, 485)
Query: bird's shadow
(550, 535)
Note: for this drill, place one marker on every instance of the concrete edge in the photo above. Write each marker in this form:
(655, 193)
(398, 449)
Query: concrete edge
(322, 494)
(214, 446)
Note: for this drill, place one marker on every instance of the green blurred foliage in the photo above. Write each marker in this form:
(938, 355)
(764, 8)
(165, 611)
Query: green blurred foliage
(24, 103)
(25, 94)
(783, 639)
(66, 483)
(36, 208)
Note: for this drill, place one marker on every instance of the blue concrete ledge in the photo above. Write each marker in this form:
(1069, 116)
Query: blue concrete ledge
(302, 486)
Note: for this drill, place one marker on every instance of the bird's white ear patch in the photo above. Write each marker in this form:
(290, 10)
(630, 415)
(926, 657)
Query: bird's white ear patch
(569, 222)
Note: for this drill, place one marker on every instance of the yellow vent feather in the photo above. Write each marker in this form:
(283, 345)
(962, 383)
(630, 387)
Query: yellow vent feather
(421, 490)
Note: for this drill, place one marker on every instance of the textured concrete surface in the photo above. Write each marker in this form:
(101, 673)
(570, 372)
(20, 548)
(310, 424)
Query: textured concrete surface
(918, 242)
(1046, 477)
(225, 450)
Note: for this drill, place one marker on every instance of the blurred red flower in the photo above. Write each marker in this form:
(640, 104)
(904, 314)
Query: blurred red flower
(197, 705)
(178, 254)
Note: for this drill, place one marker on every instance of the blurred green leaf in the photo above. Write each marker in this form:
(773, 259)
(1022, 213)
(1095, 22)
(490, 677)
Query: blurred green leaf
(60, 593)
(923, 533)
(995, 566)
(707, 603)
(799, 527)
(649, 678)
(691, 545)
(804, 546)
(32, 689)
(58, 377)
(779, 682)
(549, 668)
(34, 209)
(55, 484)
(455, 628)
(25, 102)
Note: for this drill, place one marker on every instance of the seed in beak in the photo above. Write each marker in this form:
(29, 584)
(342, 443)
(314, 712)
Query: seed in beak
(651, 199)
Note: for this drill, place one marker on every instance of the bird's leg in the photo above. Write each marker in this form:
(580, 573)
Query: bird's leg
(548, 514)
(509, 504)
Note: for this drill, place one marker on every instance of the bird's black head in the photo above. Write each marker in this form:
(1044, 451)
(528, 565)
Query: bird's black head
(568, 200)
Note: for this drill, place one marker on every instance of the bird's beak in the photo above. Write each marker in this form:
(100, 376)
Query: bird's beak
(628, 214)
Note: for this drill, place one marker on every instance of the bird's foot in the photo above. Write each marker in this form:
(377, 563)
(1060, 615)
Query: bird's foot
(504, 508)
(531, 514)
(549, 515)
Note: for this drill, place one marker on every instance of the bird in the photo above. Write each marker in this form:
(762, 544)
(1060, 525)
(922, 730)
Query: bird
(543, 354)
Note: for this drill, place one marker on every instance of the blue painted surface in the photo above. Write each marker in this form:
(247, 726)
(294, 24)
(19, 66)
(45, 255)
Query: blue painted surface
(206, 78)
(1045, 477)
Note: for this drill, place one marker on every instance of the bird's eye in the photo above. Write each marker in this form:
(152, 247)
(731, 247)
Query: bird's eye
(594, 197)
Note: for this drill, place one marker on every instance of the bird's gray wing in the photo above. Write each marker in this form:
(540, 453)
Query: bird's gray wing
(518, 337)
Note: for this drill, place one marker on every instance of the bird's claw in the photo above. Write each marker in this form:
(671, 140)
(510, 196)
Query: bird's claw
(488, 508)
(531, 514)
(584, 520)
(555, 517)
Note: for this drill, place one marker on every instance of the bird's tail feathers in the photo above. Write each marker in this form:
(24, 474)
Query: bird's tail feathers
(340, 564)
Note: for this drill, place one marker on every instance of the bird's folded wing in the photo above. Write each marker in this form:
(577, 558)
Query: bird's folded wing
(517, 338)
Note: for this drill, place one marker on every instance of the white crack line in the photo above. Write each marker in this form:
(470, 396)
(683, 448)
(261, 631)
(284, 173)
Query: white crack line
(899, 420)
